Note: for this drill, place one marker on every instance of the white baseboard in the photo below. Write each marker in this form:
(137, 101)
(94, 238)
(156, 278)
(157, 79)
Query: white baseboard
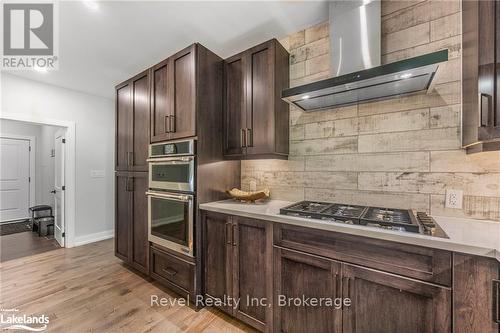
(91, 238)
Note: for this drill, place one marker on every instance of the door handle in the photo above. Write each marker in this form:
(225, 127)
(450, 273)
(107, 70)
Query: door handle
(496, 301)
(484, 117)
(53, 191)
(172, 124)
(228, 233)
(243, 138)
(166, 124)
(249, 139)
(170, 271)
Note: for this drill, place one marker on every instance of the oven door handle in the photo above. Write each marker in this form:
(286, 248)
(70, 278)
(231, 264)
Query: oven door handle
(171, 159)
(182, 198)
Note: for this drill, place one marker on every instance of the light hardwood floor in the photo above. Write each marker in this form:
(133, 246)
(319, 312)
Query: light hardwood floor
(87, 289)
(25, 244)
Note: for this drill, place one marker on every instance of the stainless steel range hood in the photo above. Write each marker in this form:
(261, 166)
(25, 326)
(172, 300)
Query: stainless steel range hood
(355, 48)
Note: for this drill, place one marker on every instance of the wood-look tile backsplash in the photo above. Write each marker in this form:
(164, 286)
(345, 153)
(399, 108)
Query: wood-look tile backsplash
(403, 152)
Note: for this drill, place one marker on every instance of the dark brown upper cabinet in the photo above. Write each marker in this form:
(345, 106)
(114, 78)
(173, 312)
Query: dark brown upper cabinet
(132, 123)
(481, 75)
(174, 94)
(256, 120)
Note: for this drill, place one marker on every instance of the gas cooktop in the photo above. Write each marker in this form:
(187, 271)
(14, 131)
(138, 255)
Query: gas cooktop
(385, 218)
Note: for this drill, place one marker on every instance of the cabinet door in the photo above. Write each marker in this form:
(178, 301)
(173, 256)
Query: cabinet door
(123, 216)
(383, 302)
(260, 100)
(486, 74)
(234, 105)
(139, 225)
(217, 257)
(161, 101)
(496, 120)
(123, 126)
(475, 304)
(182, 122)
(297, 276)
(140, 109)
(252, 271)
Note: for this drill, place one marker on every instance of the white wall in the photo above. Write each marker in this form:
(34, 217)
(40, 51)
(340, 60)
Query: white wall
(47, 170)
(94, 119)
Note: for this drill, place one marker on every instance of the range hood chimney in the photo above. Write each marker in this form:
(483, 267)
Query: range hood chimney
(357, 75)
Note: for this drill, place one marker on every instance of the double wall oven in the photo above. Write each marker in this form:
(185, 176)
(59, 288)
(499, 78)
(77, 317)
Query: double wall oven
(171, 195)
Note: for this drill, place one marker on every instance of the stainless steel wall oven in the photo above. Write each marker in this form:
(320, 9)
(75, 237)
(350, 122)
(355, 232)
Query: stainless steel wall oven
(171, 195)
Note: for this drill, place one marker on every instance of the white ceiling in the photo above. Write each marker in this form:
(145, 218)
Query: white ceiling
(99, 48)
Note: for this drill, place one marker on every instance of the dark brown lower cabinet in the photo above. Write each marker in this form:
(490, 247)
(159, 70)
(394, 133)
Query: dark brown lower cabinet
(379, 301)
(238, 264)
(476, 294)
(383, 302)
(299, 276)
(249, 259)
(131, 219)
(175, 272)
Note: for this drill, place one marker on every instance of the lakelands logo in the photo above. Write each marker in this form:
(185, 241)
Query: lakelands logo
(11, 319)
(29, 38)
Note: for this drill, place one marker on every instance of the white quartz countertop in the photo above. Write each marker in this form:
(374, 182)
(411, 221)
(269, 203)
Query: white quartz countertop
(469, 236)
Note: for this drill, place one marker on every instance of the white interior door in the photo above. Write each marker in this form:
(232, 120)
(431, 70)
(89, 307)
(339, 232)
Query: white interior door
(59, 145)
(14, 179)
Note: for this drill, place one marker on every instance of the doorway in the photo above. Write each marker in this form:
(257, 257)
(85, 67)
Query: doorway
(32, 175)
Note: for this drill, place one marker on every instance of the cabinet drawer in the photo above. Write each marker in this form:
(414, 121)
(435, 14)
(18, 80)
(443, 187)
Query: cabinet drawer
(175, 270)
(408, 260)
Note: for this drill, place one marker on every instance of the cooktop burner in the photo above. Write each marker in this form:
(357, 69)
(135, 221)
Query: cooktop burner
(385, 218)
(309, 206)
(340, 210)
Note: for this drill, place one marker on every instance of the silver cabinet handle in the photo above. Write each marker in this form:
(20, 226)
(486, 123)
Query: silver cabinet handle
(336, 287)
(166, 124)
(348, 286)
(243, 138)
(249, 139)
(496, 301)
(130, 158)
(233, 233)
(172, 124)
(228, 233)
(131, 186)
(484, 117)
(169, 271)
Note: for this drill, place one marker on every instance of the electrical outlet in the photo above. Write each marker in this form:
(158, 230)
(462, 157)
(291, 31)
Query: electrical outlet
(454, 199)
(97, 173)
